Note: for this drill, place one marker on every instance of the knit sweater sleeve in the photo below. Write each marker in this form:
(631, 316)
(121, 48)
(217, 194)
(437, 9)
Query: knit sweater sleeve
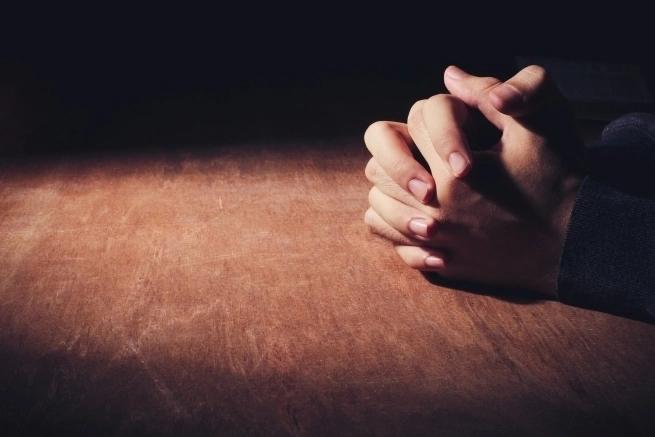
(608, 260)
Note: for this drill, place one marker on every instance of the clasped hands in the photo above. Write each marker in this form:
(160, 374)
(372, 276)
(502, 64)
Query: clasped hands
(494, 214)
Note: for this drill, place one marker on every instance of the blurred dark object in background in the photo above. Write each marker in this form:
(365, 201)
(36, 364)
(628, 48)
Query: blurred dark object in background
(599, 91)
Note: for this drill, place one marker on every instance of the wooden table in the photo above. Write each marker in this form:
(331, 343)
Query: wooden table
(234, 290)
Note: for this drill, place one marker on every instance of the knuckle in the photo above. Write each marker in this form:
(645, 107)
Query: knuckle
(417, 106)
(537, 72)
(488, 85)
(441, 99)
(376, 129)
(447, 112)
(372, 195)
(439, 104)
(368, 217)
(371, 170)
(414, 115)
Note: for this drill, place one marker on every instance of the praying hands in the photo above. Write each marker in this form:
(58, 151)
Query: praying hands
(492, 213)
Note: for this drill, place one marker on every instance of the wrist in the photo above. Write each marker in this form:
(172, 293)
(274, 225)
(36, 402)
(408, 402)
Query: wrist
(556, 234)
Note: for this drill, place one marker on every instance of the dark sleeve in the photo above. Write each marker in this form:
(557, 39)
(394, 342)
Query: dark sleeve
(608, 261)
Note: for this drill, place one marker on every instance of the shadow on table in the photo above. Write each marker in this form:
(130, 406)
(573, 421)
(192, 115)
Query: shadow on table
(518, 296)
(59, 392)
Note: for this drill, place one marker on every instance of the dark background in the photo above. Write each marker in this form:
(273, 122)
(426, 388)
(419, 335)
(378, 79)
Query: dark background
(88, 78)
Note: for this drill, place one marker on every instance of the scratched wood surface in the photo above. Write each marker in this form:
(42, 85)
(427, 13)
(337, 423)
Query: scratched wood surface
(234, 290)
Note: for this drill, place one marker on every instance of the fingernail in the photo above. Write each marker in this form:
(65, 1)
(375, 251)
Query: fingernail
(419, 227)
(419, 189)
(458, 163)
(507, 95)
(434, 261)
(455, 73)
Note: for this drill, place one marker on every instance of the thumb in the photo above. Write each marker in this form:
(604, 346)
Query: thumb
(524, 93)
(521, 95)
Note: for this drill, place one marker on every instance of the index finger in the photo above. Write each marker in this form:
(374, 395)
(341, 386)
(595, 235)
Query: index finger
(389, 143)
(437, 128)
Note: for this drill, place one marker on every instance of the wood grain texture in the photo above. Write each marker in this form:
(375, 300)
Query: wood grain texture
(234, 290)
